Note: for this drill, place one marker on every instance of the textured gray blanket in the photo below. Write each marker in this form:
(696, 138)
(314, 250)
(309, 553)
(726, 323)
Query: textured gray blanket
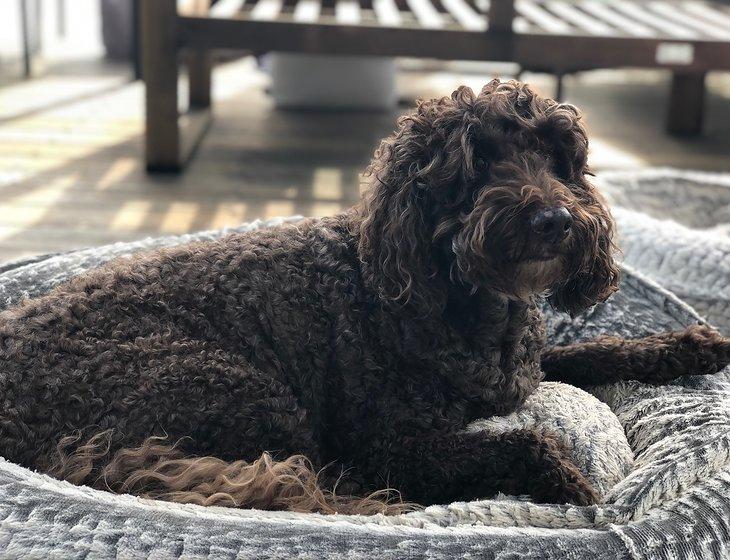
(675, 228)
(659, 455)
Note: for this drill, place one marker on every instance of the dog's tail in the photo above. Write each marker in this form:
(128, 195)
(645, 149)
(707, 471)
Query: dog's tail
(160, 470)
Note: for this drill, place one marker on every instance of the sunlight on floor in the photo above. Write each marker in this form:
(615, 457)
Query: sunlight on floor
(229, 214)
(131, 215)
(117, 172)
(327, 183)
(179, 217)
(606, 155)
(28, 210)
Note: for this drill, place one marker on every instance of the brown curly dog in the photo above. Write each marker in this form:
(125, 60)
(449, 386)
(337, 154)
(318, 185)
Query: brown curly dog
(366, 341)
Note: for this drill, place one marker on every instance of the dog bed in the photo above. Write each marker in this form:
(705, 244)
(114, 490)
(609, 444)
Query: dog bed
(674, 226)
(665, 477)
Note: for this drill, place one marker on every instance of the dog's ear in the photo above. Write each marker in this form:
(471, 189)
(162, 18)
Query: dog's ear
(596, 276)
(417, 182)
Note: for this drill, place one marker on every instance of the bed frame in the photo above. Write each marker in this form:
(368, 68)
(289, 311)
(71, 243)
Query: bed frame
(687, 37)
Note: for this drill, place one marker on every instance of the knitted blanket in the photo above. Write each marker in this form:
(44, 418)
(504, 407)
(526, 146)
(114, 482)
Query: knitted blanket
(660, 457)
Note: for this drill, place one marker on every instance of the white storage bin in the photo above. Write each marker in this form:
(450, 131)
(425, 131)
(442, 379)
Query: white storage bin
(332, 82)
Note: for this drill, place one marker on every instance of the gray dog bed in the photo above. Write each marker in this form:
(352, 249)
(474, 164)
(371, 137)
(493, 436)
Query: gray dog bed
(675, 227)
(659, 455)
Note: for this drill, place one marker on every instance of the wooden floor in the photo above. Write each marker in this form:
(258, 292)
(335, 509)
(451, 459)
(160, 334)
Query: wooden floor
(70, 151)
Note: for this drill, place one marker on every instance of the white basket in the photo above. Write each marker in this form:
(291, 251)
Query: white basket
(332, 82)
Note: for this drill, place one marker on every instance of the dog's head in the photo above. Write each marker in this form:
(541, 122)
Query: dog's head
(487, 191)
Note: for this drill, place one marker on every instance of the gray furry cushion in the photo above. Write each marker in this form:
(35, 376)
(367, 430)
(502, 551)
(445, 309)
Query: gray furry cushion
(674, 226)
(587, 426)
(672, 502)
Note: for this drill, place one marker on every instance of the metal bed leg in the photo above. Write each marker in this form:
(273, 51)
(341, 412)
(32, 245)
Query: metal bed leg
(136, 39)
(199, 75)
(25, 31)
(61, 16)
(158, 23)
(559, 85)
(686, 103)
(170, 138)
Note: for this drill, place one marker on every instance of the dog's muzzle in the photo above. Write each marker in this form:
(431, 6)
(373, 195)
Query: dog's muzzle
(552, 225)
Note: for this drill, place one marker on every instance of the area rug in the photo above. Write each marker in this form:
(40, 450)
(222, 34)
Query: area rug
(661, 459)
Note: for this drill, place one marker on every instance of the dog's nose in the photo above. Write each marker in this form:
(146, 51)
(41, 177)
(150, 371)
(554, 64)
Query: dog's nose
(552, 224)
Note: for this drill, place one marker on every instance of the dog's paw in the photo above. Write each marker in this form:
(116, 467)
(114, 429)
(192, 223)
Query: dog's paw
(557, 479)
(565, 486)
(697, 350)
(711, 349)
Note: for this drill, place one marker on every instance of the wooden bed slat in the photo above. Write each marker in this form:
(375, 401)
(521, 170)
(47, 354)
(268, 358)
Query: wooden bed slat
(387, 13)
(520, 25)
(707, 12)
(347, 12)
(571, 14)
(192, 7)
(307, 11)
(426, 14)
(603, 11)
(686, 20)
(641, 14)
(673, 12)
(226, 8)
(540, 17)
(266, 9)
(463, 13)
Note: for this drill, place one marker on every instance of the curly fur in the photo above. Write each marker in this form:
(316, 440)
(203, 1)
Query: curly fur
(162, 471)
(366, 341)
